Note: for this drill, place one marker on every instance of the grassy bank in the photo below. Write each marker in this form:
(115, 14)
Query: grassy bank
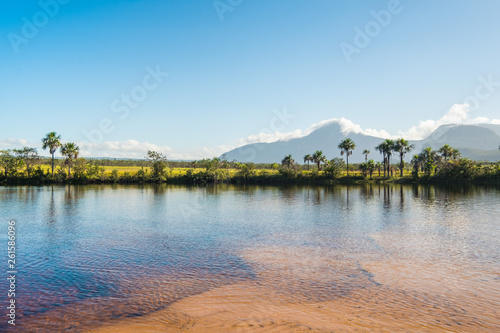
(41, 175)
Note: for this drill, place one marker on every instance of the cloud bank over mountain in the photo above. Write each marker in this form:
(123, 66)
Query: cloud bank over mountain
(458, 114)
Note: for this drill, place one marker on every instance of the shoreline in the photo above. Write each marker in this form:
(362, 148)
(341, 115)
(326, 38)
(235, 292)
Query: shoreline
(273, 180)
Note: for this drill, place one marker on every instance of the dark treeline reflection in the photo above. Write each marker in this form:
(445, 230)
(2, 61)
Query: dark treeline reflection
(387, 194)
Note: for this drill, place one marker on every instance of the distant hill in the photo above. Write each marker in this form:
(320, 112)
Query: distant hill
(478, 142)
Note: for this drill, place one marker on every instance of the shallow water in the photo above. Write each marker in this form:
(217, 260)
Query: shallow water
(234, 258)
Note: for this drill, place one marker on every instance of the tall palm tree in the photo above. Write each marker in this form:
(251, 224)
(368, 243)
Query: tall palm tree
(383, 148)
(366, 152)
(347, 146)
(446, 151)
(389, 144)
(318, 158)
(70, 150)
(51, 141)
(308, 158)
(403, 147)
(288, 161)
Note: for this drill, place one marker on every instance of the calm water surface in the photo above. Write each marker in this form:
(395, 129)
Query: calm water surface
(361, 257)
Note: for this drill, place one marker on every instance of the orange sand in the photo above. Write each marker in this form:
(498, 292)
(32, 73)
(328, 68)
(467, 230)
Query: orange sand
(288, 295)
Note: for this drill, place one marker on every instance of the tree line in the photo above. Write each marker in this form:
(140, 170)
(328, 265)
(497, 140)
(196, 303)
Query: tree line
(443, 163)
(24, 166)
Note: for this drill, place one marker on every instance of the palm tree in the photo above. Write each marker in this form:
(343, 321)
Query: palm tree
(416, 161)
(288, 161)
(378, 165)
(70, 150)
(402, 147)
(428, 157)
(324, 160)
(385, 148)
(347, 146)
(308, 158)
(51, 141)
(390, 148)
(456, 154)
(318, 158)
(370, 165)
(446, 151)
(366, 152)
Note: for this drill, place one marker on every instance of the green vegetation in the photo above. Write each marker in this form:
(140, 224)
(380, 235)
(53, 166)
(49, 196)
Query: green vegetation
(51, 141)
(158, 165)
(25, 166)
(346, 147)
(70, 150)
(308, 158)
(319, 158)
(402, 147)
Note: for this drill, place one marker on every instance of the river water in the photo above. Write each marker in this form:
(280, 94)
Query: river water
(162, 258)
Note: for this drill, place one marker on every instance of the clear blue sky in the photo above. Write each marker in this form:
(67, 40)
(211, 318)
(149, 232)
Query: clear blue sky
(227, 76)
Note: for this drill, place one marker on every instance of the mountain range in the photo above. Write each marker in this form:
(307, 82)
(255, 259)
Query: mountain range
(478, 142)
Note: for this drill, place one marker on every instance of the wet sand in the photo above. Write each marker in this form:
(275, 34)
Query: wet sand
(310, 289)
(244, 308)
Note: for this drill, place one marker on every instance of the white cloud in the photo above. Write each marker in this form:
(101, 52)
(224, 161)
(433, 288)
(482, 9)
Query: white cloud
(458, 114)
(137, 149)
(346, 126)
(269, 137)
(119, 149)
(125, 149)
(10, 143)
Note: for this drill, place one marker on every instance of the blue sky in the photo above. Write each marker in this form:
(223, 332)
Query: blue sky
(233, 66)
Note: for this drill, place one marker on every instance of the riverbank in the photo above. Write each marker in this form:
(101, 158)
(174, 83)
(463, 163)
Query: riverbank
(264, 178)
